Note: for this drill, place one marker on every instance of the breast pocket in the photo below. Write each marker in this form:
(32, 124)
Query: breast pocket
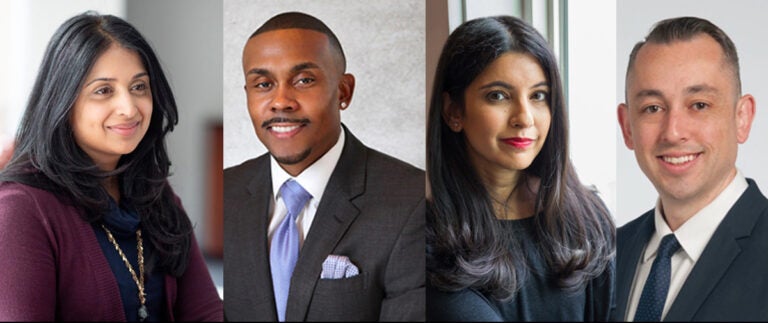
(346, 299)
(342, 285)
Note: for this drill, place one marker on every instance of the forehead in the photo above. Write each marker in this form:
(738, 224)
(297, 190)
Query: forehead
(680, 64)
(512, 67)
(284, 48)
(117, 58)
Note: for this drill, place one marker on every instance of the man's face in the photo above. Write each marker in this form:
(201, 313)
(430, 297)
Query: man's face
(294, 85)
(684, 119)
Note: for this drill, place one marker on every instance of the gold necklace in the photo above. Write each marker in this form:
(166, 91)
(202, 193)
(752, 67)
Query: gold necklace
(143, 314)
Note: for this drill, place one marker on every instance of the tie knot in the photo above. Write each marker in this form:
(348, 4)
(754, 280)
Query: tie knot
(294, 196)
(668, 246)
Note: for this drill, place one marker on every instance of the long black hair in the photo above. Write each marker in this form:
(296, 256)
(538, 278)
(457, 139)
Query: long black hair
(48, 157)
(466, 245)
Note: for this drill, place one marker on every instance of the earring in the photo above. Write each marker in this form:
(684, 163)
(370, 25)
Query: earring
(343, 105)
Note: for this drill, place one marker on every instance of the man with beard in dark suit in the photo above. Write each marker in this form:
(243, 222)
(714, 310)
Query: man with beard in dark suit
(322, 227)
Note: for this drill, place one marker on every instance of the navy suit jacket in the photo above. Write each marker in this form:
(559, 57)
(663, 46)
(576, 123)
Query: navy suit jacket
(372, 210)
(729, 282)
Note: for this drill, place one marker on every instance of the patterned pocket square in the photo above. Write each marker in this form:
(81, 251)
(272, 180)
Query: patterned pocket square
(337, 267)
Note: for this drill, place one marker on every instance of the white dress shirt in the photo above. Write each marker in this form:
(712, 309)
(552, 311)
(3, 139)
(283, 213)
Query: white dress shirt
(313, 179)
(693, 237)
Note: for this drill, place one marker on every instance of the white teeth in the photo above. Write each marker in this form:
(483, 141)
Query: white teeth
(279, 129)
(679, 160)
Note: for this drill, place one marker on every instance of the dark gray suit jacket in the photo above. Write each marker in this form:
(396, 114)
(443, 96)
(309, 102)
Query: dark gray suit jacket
(372, 210)
(729, 282)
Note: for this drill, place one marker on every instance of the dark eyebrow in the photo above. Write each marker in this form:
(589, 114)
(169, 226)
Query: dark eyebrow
(649, 93)
(297, 68)
(303, 66)
(258, 71)
(700, 88)
(508, 86)
(112, 79)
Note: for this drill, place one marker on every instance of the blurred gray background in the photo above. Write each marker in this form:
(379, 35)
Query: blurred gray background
(383, 41)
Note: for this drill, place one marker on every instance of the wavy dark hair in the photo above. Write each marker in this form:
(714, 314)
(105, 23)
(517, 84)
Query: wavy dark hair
(48, 157)
(466, 244)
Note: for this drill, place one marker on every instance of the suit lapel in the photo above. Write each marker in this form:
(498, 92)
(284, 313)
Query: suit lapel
(334, 215)
(256, 248)
(629, 252)
(718, 255)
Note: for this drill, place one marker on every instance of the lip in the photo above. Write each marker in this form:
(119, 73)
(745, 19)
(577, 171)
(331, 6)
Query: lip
(125, 129)
(285, 130)
(678, 162)
(518, 142)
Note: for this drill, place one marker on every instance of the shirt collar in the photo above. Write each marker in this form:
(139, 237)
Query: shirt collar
(315, 177)
(695, 233)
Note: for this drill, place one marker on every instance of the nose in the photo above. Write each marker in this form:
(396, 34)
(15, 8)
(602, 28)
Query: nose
(522, 114)
(125, 105)
(284, 99)
(674, 128)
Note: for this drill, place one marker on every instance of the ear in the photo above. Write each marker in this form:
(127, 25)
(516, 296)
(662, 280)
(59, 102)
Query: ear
(745, 113)
(623, 113)
(452, 114)
(346, 89)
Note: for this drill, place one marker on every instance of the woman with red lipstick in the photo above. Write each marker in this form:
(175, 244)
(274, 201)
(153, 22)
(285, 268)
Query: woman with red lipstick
(90, 229)
(512, 235)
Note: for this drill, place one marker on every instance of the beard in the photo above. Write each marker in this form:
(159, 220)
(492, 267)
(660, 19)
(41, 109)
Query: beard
(293, 159)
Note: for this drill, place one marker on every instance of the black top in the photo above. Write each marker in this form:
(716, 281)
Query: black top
(123, 223)
(539, 299)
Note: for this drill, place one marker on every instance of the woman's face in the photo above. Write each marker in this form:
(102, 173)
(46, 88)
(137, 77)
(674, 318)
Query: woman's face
(506, 114)
(113, 109)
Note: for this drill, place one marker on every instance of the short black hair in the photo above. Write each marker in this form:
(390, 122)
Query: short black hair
(300, 20)
(686, 28)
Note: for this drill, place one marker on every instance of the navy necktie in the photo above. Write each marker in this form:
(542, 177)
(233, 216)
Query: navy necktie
(284, 250)
(657, 285)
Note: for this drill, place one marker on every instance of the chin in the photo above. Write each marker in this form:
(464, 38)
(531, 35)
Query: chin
(292, 158)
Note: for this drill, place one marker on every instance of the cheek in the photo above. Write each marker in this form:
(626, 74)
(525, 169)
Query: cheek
(543, 122)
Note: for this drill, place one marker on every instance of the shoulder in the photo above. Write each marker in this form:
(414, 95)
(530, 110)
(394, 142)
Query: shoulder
(24, 208)
(240, 175)
(388, 171)
(248, 166)
(16, 197)
(463, 305)
(634, 226)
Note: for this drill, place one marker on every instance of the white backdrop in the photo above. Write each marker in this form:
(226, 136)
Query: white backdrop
(741, 21)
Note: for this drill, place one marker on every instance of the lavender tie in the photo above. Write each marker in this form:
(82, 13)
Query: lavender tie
(285, 244)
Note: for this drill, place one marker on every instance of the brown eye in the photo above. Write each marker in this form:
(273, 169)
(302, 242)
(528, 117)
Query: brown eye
(652, 109)
(495, 96)
(103, 90)
(539, 96)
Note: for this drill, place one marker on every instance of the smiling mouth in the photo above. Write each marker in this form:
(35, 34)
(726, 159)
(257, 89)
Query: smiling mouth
(125, 129)
(679, 160)
(283, 129)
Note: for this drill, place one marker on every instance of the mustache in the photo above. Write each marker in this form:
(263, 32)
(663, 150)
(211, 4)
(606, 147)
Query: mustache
(269, 122)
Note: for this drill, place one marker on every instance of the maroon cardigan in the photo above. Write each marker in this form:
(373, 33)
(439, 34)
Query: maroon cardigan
(52, 268)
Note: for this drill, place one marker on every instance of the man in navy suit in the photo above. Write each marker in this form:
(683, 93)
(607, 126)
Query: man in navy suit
(684, 117)
(361, 254)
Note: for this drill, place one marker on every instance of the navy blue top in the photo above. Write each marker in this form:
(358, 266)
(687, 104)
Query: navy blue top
(123, 223)
(539, 298)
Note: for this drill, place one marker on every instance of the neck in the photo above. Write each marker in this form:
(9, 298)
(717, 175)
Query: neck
(677, 211)
(113, 188)
(509, 193)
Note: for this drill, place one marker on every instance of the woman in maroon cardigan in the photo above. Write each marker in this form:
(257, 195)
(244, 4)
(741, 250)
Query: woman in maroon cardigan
(89, 226)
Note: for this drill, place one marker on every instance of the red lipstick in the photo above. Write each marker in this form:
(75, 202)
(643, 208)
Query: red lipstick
(519, 142)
